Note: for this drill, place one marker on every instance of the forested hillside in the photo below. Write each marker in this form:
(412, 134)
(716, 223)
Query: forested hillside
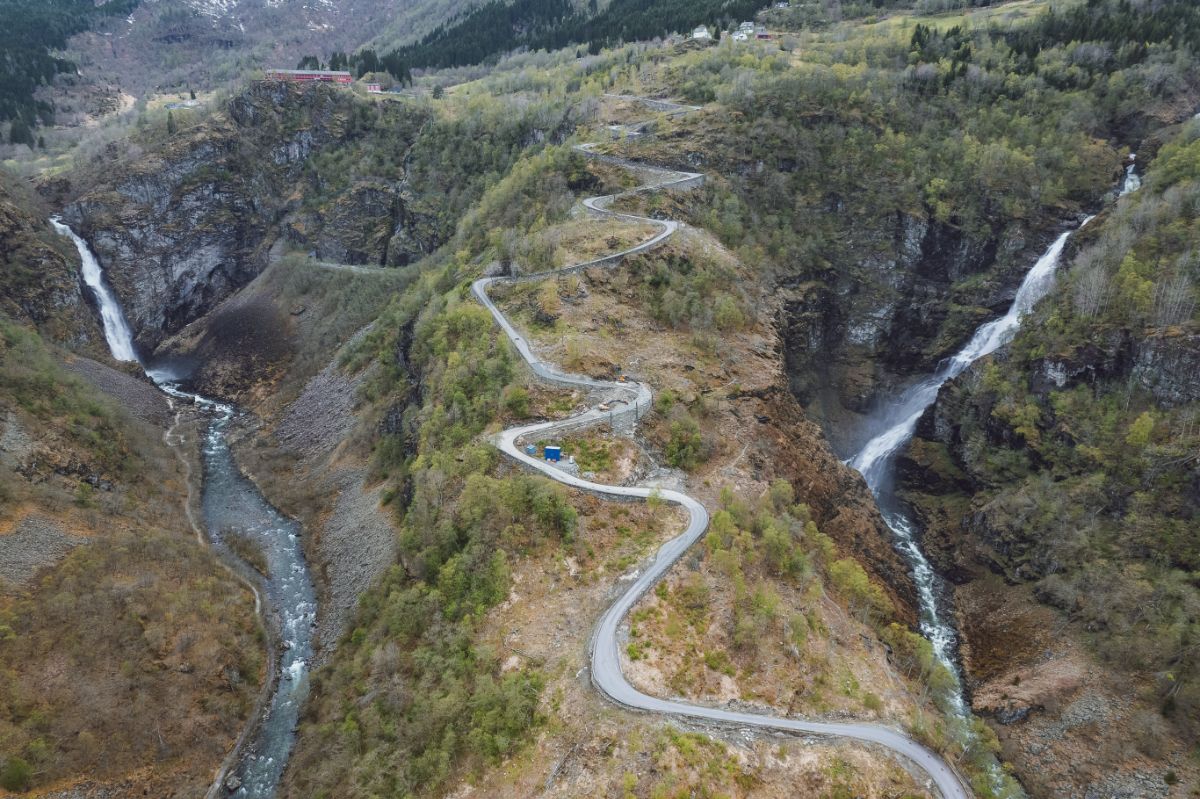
(1073, 460)
(498, 27)
(31, 30)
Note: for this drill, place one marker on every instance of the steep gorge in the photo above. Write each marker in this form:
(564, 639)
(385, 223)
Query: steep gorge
(182, 223)
(1067, 463)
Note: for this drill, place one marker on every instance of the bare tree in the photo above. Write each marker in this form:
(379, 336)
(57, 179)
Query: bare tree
(1174, 301)
(1091, 287)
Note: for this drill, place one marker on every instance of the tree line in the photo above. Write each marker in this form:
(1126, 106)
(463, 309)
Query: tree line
(362, 63)
(33, 30)
(498, 27)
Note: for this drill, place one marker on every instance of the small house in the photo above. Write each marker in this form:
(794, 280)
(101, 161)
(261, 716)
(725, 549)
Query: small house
(747, 27)
(374, 88)
(740, 36)
(701, 32)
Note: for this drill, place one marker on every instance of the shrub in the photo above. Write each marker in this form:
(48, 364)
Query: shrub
(685, 446)
(516, 401)
(865, 597)
(16, 775)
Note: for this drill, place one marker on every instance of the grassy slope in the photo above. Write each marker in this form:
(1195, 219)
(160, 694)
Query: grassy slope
(135, 650)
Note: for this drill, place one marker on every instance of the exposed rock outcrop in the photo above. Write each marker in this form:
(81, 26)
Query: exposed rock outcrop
(183, 226)
(39, 272)
(919, 289)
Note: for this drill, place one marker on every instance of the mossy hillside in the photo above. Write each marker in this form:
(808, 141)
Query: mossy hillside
(1079, 442)
(459, 526)
(34, 384)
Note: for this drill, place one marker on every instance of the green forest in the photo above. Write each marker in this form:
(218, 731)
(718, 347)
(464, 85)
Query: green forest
(499, 27)
(32, 31)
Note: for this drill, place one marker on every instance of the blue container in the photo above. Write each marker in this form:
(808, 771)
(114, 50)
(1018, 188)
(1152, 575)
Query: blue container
(554, 454)
(530, 449)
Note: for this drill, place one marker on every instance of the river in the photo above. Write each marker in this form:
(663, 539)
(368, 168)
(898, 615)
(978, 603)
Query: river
(233, 505)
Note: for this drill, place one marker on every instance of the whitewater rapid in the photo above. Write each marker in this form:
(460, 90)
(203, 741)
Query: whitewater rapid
(232, 504)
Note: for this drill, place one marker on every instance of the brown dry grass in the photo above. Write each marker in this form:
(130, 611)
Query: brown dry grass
(586, 239)
(133, 660)
(836, 670)
(841, 670)
(589, 748)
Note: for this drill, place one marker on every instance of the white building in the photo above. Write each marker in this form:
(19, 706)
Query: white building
(701, 32)
(746, 27)
(740, 36)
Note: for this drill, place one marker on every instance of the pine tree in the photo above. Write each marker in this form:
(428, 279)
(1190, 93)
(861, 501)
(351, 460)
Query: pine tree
(20, 133)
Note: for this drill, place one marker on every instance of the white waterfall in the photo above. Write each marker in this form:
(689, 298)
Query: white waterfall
(116, 328)
(1132, 181)
(876, 458)
(987, 339)
(231, 502)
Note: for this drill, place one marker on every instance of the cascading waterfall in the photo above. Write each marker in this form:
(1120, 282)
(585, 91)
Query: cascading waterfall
(232, 504)
(112, 318)
(876, 459)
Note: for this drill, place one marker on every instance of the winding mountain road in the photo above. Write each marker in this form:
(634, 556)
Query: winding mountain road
(633, 399)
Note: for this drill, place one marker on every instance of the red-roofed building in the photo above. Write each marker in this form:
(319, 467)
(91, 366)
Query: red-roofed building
(309, 76)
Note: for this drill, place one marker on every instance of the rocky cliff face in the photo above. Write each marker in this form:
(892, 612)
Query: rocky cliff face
(1058, 487)
(39, 273)
(183, 226)
(919, 289)
(971, 418)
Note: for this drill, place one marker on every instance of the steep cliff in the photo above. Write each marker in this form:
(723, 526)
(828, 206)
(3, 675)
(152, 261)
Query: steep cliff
(182, 223)
(1066, 468)
(917, 289)
(39, 272)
